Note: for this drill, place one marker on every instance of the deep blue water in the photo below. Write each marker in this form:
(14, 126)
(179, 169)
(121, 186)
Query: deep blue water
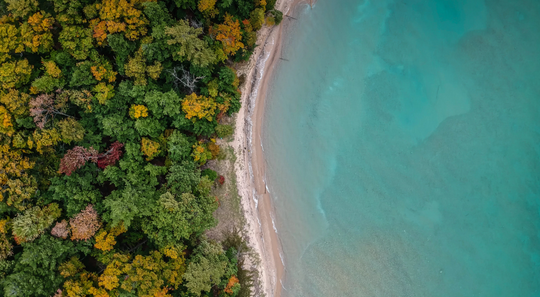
(403, 148)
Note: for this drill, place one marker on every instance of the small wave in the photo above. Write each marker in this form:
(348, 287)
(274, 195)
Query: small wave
(274, 224)
(282, 285)
(259, 221)
(255, 199)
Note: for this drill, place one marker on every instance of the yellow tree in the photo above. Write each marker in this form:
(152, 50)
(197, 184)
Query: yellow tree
(12, 164)
(78, 281)
(201, 153)
(138, 111)
(229, 34)
(44, 139)
(6, 248)
(213, 148)
(136, 68)
(149, 148)
(19, 191)
(77, 41)
(145, 276)
(82, 99)
(105, 239)
(103, 70)
(71, 130)
(117, 16)
(15, 74)
(36, 33)
(199, 107)
(10, 41)
(50, 81)
(208, 8)
(103, 92)
(52, 69)
(6, 122)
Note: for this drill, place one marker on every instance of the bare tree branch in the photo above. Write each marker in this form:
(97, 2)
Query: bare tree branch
(196, 23)
(184, 78)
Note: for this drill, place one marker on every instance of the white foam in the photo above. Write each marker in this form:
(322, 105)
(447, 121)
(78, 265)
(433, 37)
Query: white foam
(282, 286)
(259, 221)
(255, 198)
(274, 224)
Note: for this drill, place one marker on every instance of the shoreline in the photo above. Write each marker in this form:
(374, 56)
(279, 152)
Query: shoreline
(250, 164)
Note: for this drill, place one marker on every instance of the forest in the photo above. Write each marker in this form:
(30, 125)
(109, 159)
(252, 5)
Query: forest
(109, 109)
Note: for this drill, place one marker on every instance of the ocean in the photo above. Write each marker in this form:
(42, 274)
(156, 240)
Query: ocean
(402, 141)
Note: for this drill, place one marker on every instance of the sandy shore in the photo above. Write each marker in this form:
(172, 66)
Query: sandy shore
(250, 164)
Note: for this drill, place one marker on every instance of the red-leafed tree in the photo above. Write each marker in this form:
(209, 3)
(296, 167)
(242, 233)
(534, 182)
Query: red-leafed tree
(76, 158)
(85, 224)
(111, 156)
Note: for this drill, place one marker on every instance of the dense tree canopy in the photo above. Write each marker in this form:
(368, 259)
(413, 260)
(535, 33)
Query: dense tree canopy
(108, 108)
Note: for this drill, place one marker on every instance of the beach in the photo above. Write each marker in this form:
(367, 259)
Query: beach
(250, 163)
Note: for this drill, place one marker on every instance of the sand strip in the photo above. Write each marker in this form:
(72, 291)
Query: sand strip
(250, 164)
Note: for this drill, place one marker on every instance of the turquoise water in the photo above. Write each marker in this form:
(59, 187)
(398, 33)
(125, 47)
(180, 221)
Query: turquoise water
(403, 149)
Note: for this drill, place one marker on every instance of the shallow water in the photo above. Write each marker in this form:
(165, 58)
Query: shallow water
(403, 148)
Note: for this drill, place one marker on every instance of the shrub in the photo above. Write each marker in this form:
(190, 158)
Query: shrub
(212, 175)
(223, 131)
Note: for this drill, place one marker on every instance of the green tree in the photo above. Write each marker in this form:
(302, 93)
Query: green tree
(206, 268)
(122, 48)
(256, 18)
(36, 271)
(71, 130)
(135, 182)
(186, 4)
(149, 126)
(175, 219)
(77, 41)
(33, 222)
(119, 126)
(77, 190)
(183, 177)
(82, 75)
(22, 8)
(186, 45)
(163, 104)
(128, 204)
(178, 146)
(46, 84)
